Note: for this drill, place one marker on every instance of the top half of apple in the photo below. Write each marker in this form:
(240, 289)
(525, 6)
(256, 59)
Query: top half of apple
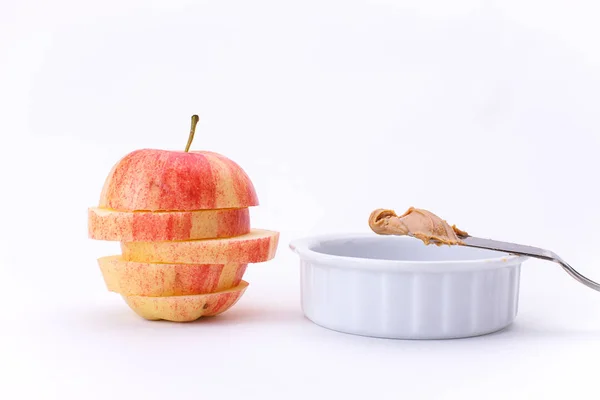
(165, 180)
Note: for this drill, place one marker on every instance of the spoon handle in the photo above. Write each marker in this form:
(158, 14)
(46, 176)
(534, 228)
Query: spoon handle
(530, 251)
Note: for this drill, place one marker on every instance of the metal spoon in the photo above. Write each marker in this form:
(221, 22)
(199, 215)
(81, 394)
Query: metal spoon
(523, 250)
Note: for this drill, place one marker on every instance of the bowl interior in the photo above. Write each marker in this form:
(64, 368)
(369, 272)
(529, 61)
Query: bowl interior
(400, 249)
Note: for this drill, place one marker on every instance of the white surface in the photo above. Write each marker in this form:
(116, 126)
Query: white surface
(484, 112)
(399, 288)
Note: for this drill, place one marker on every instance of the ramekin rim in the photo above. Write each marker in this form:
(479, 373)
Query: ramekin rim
(302, 246)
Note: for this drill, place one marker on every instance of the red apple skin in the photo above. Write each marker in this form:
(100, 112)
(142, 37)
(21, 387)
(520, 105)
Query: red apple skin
(259, 245)
(162, 279)
(162, 180)
(142, 226)
(185, 308)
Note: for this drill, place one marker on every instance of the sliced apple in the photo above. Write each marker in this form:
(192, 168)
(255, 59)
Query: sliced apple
(162, 180)
(158, 279)
(136, 226)
(185, 308)
(257, 246)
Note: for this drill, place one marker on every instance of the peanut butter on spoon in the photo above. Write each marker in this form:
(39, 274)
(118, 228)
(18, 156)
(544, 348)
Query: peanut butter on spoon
(418, 223)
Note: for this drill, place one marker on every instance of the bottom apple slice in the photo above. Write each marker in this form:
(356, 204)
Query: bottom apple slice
(131, 278)
(185, 308)
(257, 246)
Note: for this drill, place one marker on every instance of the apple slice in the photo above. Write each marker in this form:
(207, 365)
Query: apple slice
(257, 246)
(104, 224)
(145, 279)
(162, 180)
(185, 308)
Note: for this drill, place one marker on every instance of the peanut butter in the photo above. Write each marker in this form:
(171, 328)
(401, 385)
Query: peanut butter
(418, 223)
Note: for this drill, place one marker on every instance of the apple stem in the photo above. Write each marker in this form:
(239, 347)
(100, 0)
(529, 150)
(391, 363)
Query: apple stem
(195, 120)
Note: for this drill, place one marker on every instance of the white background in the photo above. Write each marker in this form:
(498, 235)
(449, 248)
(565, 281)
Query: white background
(483, 112)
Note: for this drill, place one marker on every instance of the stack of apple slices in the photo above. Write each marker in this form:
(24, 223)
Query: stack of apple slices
(183, 222)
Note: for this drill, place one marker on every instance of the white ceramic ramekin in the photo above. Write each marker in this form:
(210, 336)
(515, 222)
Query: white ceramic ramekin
(396, 287)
